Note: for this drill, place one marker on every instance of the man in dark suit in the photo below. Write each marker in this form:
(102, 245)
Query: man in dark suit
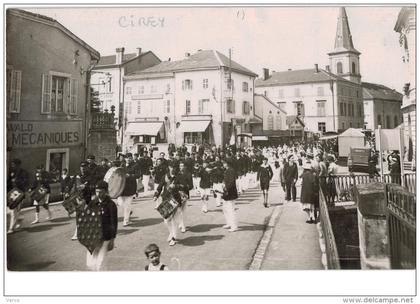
(290, 176)
(230, 194)
(130, 188)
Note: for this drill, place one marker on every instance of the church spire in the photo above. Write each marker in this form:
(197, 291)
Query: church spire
(344, 59)
(343, 38)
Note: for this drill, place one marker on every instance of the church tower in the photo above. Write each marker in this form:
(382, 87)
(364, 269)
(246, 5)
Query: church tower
(344, 59)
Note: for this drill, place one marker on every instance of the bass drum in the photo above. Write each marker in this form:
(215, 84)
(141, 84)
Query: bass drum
(115, 177)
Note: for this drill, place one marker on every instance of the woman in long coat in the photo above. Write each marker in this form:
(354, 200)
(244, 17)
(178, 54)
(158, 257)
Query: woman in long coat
(265, 174)
(308, 193)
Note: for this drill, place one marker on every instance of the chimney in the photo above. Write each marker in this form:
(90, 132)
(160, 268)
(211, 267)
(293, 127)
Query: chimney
(265, 73)
(316, 68)
(289, 69)
(272, 72)
(138, 51)
(169, 59)
(327, 67)
(120, 55)
(187, 55)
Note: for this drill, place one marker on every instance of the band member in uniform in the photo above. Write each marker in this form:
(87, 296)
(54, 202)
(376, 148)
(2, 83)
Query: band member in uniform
(216, 175)
(159, 172)
(230, 194)
(205, 185)
(66, 184)
(93, 168)
(109, 214)
(146, 164)
(245, 176)
(41, 185)
(185, 179)
(84, 186)
(130, 188)
(102, 169)
(265, 174)
(170, 188)
(17, 178)
(196, 178)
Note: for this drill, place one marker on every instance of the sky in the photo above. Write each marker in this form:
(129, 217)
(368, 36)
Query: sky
(278, 38)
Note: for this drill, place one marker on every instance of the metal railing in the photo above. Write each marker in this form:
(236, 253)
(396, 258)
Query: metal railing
(340, 188)
(103, 120)
(401, 217)
(333, 259)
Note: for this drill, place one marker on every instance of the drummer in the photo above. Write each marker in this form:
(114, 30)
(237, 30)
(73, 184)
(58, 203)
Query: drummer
(170, 188)
(41, 183)
(17, 178)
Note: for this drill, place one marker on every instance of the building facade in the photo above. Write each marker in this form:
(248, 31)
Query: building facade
(324, 100)
(46, 92)
(108, 74)
(406, 27)
(382, 106)
(205, 99)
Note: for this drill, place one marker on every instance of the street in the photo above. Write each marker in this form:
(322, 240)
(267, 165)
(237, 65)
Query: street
(205, 245)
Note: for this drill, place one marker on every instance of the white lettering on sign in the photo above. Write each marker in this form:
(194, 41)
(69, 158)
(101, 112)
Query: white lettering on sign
(43, 134)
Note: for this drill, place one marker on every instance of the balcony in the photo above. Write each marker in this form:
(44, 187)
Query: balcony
(103, 120)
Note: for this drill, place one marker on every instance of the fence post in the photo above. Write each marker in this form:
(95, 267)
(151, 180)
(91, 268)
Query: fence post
(371, 213)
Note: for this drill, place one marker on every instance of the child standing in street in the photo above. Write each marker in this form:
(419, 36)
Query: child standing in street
(152, 253)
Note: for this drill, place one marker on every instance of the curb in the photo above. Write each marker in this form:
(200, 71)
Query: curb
(262, 247)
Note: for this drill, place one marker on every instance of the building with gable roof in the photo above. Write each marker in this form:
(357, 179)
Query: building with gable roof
(48, 73)
(108, 73)
(205, 98)
(382, 106)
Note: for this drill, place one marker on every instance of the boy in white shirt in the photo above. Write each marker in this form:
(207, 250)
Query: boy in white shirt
(152, 253)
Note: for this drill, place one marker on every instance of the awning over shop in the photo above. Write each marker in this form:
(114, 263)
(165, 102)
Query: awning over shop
(245, 134)
(259, 137)
(194, 125)
(144, 128)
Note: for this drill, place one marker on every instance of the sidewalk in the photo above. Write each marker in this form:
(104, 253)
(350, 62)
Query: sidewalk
(294, 244)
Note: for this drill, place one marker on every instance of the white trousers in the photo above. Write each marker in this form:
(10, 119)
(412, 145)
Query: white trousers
(219, 188)
(239, 184)
(230, 214)
(196, 184)
(245, 182)
(125, 202)
(145, 180)
(97, 259)
(175, 221)
(14, 217)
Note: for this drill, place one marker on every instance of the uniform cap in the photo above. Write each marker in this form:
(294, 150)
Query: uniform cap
(102, 185)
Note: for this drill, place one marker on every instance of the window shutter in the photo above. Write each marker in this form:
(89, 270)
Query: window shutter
(73, 96)
(15, 90)
(46, 94)
(200, 106)
(183, 85)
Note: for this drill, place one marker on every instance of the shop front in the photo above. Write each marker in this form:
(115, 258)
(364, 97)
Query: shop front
(143, 135)
(196, 132)
(55, 145)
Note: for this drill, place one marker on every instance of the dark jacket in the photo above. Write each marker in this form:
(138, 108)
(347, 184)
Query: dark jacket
(109, 212)
(66, 184)
(309, 187)
(167, 192)
(205, 181)
(265, 174)
(145, 164)
(18, 178)
(217, 174)
(159, 173)
(101, 171)
(132, 174)
(290, 172)
(229, 180)
(89, 186)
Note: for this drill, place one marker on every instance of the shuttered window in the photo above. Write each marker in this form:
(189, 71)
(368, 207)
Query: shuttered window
(14, 90)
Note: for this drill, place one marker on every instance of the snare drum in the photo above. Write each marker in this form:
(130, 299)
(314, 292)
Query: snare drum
(167, 208)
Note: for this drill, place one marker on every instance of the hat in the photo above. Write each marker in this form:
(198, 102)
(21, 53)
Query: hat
(129, 155)
(116, 163)
(103, 185)
(83, 164)
(91, 156)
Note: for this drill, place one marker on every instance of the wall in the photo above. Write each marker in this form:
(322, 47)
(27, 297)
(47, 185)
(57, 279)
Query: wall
(103, 144)
(349, 93)
(262, 110)
(346, 59)
(308, 96)
(50, 50)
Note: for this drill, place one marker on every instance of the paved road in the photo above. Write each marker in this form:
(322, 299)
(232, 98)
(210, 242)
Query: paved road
(47, 246)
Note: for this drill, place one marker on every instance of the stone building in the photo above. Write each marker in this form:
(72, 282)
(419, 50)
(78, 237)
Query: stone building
(47, 68)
